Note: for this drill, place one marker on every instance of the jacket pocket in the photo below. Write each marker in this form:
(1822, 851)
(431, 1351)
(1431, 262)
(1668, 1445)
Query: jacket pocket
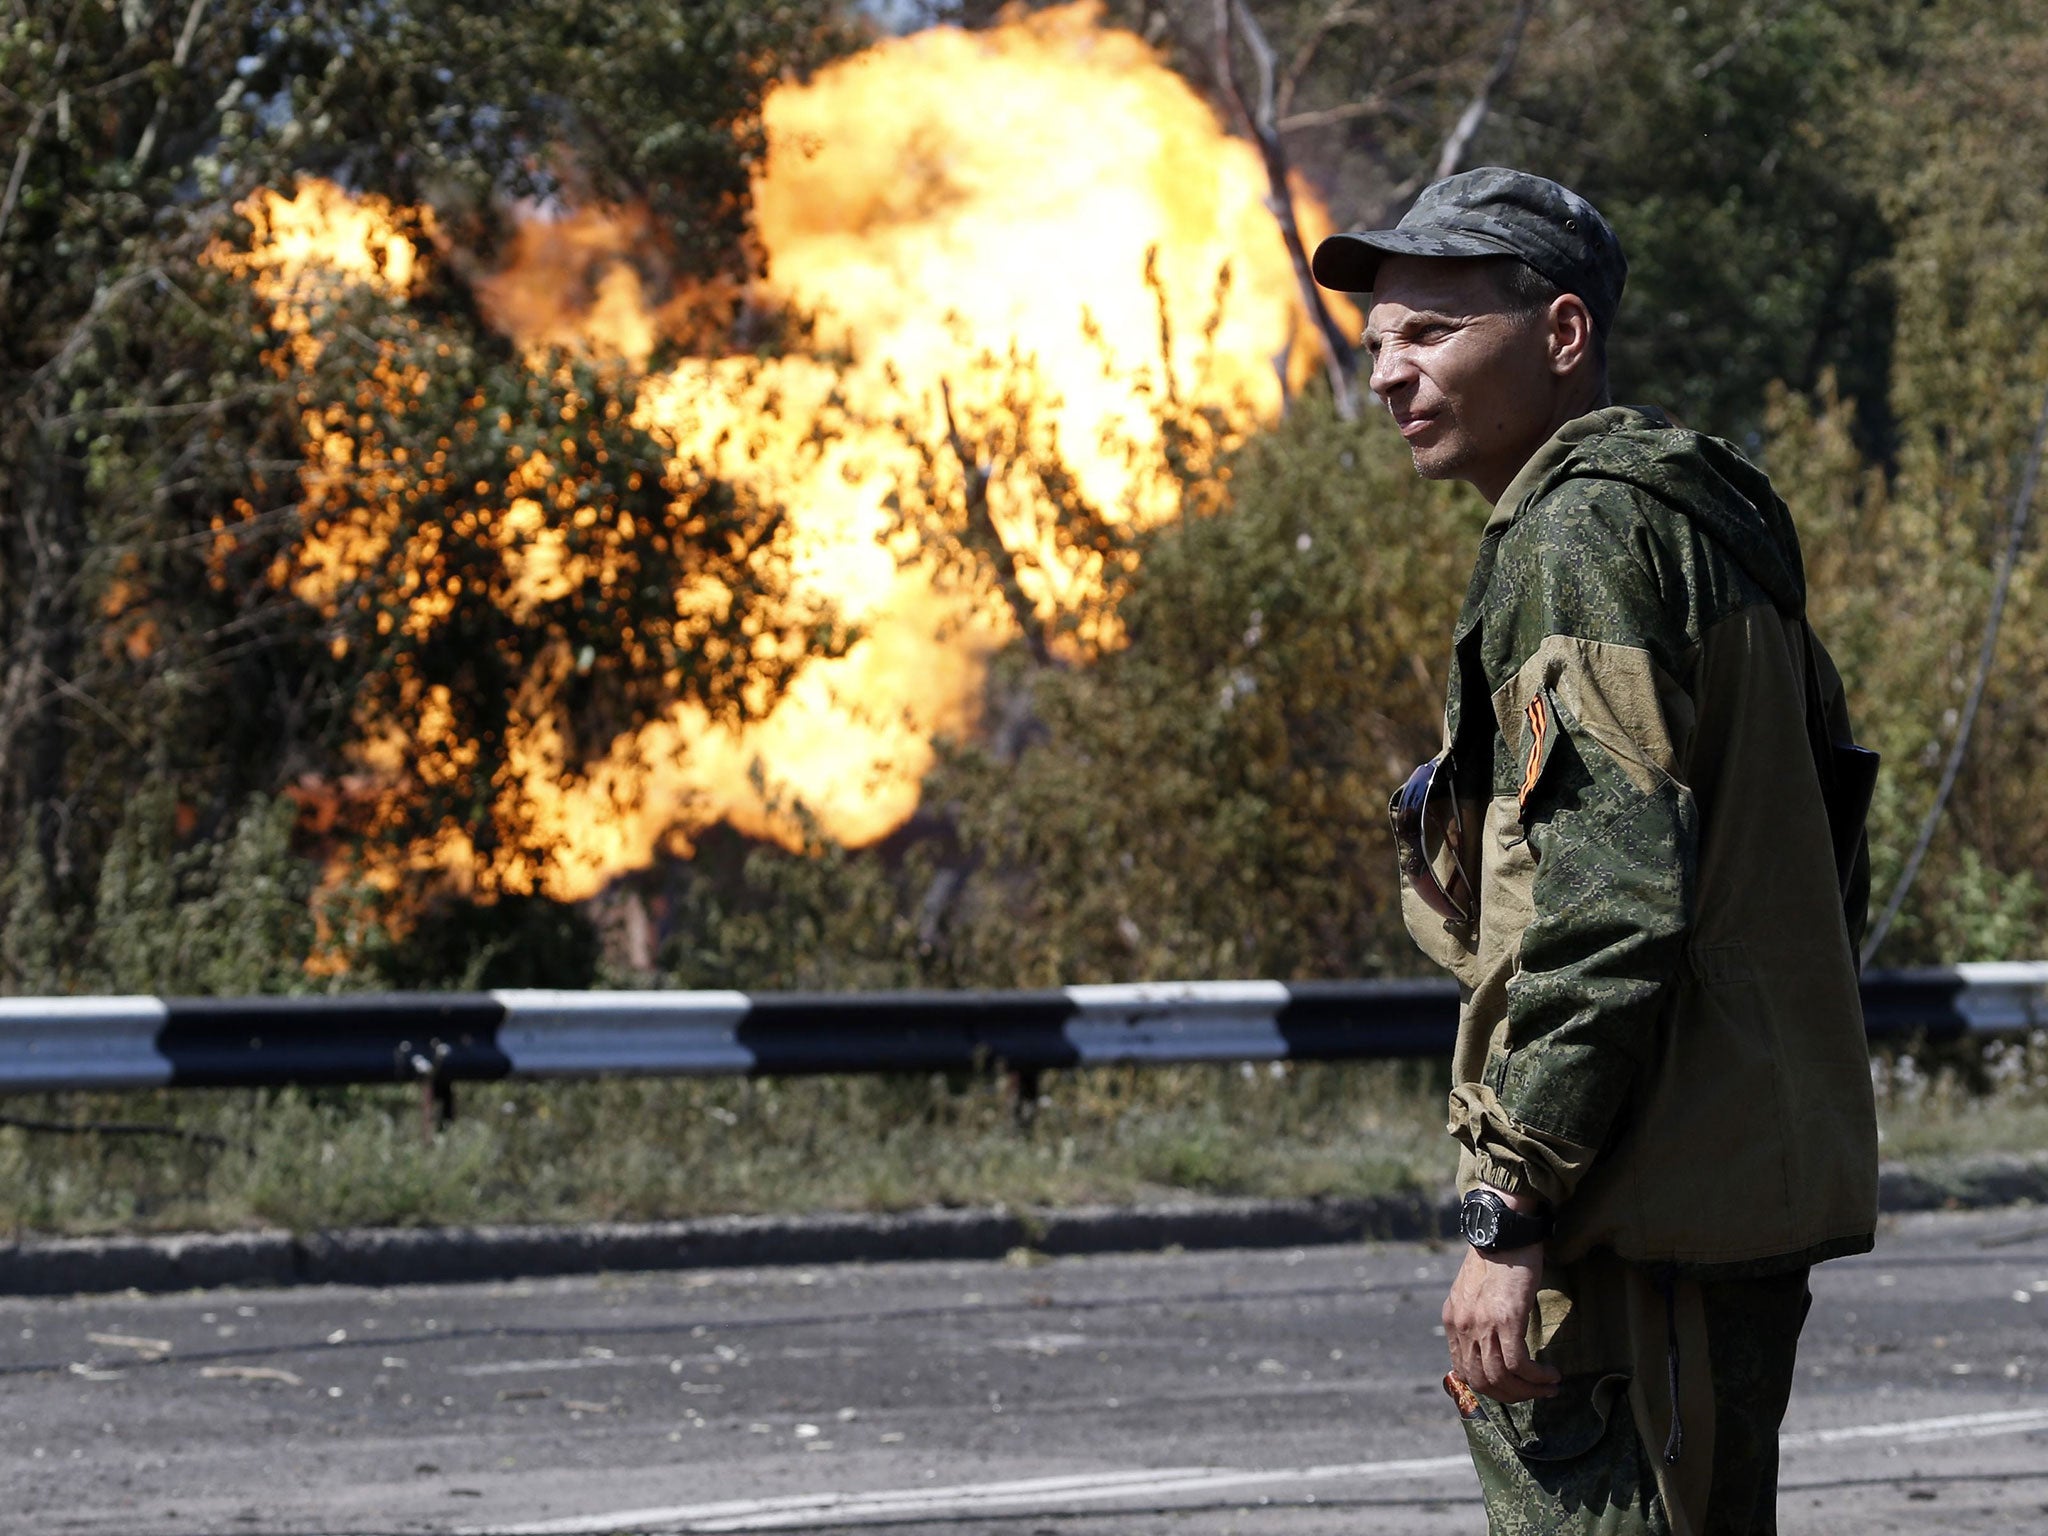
(1564, 1427)
(1453, 946)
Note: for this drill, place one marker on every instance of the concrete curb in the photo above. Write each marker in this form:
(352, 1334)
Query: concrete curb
(1963, 1183)
(439, 1255)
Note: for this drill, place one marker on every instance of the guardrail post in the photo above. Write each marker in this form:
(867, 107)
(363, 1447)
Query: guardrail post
(1024, 1087)
(437, 1089)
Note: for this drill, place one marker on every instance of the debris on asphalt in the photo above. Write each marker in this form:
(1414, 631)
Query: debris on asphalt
(149, 1349)
(250, 1373)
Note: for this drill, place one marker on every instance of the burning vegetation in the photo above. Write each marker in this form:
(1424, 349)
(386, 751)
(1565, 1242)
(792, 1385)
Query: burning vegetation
(1011, 257)
(606, 427)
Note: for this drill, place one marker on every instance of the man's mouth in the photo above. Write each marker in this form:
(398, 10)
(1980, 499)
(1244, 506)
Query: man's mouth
(1412, 427)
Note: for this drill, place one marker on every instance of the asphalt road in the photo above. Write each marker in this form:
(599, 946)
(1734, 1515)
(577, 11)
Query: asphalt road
(1258, 1392)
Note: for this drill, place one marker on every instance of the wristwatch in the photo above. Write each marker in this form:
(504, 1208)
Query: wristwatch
(1486, 1222)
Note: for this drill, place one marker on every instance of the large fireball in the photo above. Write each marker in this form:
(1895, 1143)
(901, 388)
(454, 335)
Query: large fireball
(939, 201)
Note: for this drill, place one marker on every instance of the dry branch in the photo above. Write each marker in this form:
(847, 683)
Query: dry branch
(983, 533)
(1339, 13)
(1262, 123)
(1459, 144)
(1381, 103)
(179, 54)
(1749, 34)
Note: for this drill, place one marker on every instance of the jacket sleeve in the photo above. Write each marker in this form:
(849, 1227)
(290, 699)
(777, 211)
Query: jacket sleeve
(1592, 721)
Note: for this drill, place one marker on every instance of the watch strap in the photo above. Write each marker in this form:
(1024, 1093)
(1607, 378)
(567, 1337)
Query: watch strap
(1513, 1228)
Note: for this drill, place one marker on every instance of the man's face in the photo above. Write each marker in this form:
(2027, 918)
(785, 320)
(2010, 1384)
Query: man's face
(1469, 384)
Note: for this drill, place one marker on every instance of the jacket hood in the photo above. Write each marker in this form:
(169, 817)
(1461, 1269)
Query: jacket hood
(1704, 478)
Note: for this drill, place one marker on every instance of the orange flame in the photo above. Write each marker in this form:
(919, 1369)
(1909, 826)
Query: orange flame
(935, 200)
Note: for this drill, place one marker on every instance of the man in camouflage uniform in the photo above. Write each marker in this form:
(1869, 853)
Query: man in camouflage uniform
(1624, 853)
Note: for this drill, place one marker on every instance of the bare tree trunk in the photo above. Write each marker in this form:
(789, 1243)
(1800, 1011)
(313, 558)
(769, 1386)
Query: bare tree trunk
(1261, 122)
(39, 568)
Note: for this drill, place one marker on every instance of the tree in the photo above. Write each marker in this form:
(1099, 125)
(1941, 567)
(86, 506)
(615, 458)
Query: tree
(1716, 137)
(1722, 141)
(156, 499)
(1205, 799)
(1905, 561)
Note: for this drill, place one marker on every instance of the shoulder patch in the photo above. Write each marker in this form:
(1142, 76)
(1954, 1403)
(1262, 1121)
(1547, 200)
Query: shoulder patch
(1536, 745)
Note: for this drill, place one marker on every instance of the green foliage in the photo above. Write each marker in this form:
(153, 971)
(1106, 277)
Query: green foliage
(1728, 143)
(1982, 913)
(219, 916)
(1903, 555)
(1834, 259)
(1209, 799)
(31, 932)
(515, 941)
(1723, 142)
(826, 919)
(334, 1160)
(231, 914)
(640, 1149)
(637, 1149)
(155, 626)
(1969, 1098)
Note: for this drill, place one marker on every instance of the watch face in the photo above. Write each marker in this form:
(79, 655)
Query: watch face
(1480, 1221)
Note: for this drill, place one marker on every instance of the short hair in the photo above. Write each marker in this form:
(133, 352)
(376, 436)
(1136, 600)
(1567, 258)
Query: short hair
(1525, 292)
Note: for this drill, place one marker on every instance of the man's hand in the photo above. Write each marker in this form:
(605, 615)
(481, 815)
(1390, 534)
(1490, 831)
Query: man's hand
(1486, 1325)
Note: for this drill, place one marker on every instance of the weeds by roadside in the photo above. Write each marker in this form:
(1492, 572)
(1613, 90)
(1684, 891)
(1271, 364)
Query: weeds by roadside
(648, 1148)
(633, 1149)
(1975, 1097)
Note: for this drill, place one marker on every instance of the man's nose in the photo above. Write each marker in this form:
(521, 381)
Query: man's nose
(1391, 371)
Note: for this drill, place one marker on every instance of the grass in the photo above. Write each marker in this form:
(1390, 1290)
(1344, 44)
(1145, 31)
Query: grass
(630, 1149)
(634, 1149)
(1964, 1100)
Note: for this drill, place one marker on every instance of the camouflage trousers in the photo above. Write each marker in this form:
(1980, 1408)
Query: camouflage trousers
(1602, 1457)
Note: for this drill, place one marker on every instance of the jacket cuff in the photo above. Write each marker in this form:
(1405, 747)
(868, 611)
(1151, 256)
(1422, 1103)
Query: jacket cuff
(1506, 1174)
(1514, 1158)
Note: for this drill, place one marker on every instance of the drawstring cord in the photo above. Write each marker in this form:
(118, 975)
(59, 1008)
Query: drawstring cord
(1667, 1279)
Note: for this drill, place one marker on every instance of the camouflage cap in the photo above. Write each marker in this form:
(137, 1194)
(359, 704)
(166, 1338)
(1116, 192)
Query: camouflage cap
(1492, 212)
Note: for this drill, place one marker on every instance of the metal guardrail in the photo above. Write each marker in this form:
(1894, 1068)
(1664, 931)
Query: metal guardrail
(445, 1038)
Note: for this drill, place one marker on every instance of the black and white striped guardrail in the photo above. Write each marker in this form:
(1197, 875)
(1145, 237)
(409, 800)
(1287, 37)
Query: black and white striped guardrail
(148, 1042)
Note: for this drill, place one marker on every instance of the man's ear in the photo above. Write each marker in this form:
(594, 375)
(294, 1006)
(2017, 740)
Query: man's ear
(1571, 334)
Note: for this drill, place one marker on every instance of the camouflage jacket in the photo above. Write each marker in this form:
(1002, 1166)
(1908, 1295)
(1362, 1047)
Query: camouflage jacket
(1662, 1032)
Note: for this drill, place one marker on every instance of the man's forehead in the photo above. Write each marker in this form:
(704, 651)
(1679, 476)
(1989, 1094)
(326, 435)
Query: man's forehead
(1418, 288)
(1436, 283)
